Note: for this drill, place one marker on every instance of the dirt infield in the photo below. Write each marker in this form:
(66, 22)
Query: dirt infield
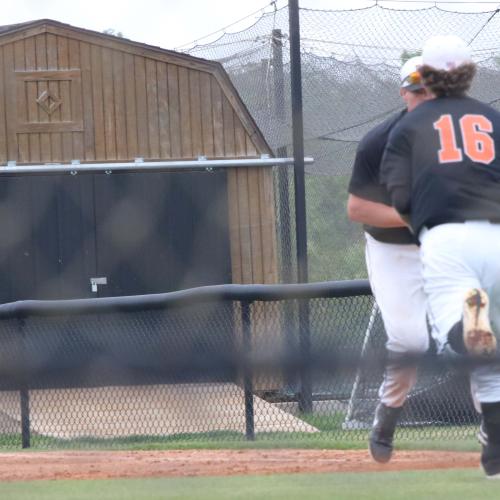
(120, 464)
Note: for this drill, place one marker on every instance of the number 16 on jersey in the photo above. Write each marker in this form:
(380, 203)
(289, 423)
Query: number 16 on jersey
(478, 145)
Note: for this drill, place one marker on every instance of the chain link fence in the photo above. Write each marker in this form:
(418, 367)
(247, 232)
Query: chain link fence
(350, 80)
(221, 363)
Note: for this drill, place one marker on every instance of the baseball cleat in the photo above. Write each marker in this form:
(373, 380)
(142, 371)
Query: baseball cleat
(479, 339)
(382, 433)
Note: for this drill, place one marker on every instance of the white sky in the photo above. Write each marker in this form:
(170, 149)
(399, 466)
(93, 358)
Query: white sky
(173, 23)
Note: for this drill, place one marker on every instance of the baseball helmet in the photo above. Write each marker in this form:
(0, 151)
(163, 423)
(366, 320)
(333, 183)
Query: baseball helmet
(410, 77)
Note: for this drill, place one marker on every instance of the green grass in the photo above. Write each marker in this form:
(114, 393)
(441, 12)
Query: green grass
(331, 436)
(462, 438)
(237, 442)
(445, 485)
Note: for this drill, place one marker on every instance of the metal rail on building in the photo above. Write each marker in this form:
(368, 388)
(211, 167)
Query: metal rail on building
(139, 165)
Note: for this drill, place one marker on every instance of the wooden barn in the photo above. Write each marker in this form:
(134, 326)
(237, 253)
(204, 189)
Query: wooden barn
(70, 95)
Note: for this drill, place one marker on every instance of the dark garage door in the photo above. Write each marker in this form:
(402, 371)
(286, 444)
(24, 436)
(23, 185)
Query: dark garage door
(142, 233)
(161, 232)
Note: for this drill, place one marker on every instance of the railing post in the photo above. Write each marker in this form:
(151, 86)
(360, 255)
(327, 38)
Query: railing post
(247, 371)
(24, 391)
(25, 417)
(306, 390)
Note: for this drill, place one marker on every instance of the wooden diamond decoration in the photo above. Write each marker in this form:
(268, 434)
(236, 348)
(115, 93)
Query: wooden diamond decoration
(48, 101)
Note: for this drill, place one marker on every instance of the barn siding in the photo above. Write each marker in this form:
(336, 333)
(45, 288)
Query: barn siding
(118, 104)
(135, 106)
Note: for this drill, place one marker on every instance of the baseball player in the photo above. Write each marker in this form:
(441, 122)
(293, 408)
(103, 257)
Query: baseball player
(443, 174)
(394, 267)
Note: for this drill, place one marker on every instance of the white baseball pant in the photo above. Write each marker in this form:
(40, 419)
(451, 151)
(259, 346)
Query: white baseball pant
(455, 258)
(397, 284)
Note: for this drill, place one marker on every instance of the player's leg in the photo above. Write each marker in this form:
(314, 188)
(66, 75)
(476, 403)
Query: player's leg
(396, 281)
(486, 379)
(490, 434)
(454, 264)
(447, 280)
(460, 278)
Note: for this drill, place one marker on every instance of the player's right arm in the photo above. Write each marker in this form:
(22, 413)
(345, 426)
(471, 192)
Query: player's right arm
(372, 213)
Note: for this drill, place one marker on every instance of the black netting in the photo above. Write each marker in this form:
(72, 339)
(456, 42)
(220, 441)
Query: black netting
(350, 67)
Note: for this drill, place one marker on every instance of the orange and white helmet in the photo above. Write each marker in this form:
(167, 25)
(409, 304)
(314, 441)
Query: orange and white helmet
(410, 77)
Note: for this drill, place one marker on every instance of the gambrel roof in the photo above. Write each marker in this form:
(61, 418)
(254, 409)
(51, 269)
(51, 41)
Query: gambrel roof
(15, 32)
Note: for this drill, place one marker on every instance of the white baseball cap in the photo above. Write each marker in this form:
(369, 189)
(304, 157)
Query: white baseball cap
(410, 77)
(446, 52)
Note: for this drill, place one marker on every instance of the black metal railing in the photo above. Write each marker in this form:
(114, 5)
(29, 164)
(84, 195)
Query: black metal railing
(214, 362)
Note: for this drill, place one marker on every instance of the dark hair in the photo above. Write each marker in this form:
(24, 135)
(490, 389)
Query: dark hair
(455, 82)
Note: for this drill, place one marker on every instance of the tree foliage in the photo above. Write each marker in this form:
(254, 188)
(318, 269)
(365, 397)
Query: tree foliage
(113, 32)
(408, 54)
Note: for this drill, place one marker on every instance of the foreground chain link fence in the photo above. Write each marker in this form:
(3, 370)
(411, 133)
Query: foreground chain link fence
(350, 82)
(226, 362)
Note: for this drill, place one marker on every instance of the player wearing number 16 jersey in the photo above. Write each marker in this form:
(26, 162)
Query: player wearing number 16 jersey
(442, 169)
(442, 166)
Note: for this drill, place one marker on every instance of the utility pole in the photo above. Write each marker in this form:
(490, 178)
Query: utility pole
(305, 394)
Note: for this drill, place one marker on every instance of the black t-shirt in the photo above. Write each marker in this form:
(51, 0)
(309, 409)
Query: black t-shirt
(365, 181)
(440, 164)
